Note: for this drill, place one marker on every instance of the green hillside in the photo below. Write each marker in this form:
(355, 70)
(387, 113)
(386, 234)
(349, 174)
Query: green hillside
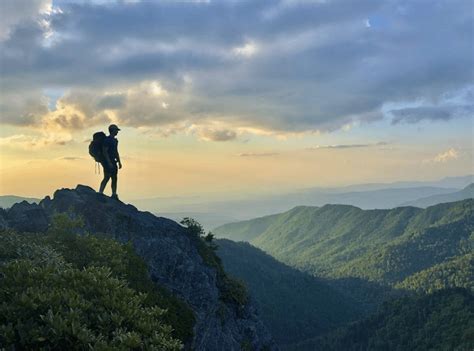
(458, 271)
(294, 305)
(440, 321)
(379, 246)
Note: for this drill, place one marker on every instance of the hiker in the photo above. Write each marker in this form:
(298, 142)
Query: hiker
(110, 160)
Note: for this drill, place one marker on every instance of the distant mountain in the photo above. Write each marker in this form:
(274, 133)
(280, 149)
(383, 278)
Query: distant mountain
(241, 207)
(447, 182)
(7, 201)
(466, 193)
(345, 242)
(294, 305)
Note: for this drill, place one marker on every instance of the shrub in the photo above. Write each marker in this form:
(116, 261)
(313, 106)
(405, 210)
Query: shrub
(56, 306)
(61, 246)
(231, 290)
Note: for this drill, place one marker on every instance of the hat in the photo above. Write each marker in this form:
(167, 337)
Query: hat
(113, 127)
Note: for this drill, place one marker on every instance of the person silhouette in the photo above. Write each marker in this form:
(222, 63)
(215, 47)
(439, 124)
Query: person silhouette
(110, 160)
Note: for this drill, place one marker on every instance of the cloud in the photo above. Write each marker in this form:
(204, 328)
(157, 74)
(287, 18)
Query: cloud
(209, 134)
(348, 146)
(14, 12)
(443, 157)
(71, 158)
(450, 154)
(433, 113)
(259, 154)
(32, 142)
(286, 67)
(22, 109)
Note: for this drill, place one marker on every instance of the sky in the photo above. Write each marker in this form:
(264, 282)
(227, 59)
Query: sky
(229, 97)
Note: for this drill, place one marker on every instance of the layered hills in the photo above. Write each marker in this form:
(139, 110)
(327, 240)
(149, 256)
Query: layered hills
(341, 241)
(409, 269)
(466, 193)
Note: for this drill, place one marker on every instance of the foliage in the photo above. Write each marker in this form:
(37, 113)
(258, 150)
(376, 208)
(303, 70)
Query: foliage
(231, 290)
(85, 252)
(443, 320)
(372, 255)
(341, 242)
(457, 272)
(293, 305)
(47, 303)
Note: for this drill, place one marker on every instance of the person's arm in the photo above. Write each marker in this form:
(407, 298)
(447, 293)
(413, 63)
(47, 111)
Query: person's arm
(105, 152)
(118, 160)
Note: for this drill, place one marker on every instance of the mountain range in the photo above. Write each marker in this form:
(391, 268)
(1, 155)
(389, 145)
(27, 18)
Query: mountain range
(214, 212)
(466, 193)
(408, 257)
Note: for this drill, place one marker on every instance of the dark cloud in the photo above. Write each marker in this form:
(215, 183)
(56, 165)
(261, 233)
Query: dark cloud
(112, 101)
(434, 113)
(287, 66)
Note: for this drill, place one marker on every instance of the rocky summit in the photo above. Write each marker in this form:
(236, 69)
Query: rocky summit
(172, 257)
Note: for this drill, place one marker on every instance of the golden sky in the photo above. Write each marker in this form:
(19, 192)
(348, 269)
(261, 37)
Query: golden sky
(232, 98)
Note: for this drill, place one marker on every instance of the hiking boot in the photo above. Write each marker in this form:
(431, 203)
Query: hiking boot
(115, 197)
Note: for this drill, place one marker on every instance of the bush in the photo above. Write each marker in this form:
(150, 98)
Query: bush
(56, 306)
(124, 263)
(230, 289)
(62, 248)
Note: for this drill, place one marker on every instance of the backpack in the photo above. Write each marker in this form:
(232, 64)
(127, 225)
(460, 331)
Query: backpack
(95, 147)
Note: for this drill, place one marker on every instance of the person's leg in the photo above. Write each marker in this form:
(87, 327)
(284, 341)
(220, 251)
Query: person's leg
(114, 184)
(104, 181)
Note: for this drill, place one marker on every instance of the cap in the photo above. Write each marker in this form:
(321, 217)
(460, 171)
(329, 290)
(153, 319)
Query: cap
(113, 127)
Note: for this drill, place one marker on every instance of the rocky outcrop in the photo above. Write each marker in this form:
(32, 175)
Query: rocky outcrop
(172, 258)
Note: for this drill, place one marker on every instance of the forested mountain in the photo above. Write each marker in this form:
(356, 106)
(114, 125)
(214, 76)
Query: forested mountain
(466, 193)
(413, 259)
(440, 321)
(294, 305)
(369, 252)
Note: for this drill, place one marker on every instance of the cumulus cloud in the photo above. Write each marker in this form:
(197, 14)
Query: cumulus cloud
(22, 109)
(443, 157)
(281, 67)
(450, 154)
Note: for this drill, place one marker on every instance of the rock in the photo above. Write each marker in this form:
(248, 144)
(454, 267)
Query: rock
(27, 217)
(172, 258)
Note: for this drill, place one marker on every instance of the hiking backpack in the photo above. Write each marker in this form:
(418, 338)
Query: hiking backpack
(95, 147)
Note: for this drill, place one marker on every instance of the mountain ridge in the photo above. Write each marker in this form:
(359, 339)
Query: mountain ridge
(172, 256)
(337, 241)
